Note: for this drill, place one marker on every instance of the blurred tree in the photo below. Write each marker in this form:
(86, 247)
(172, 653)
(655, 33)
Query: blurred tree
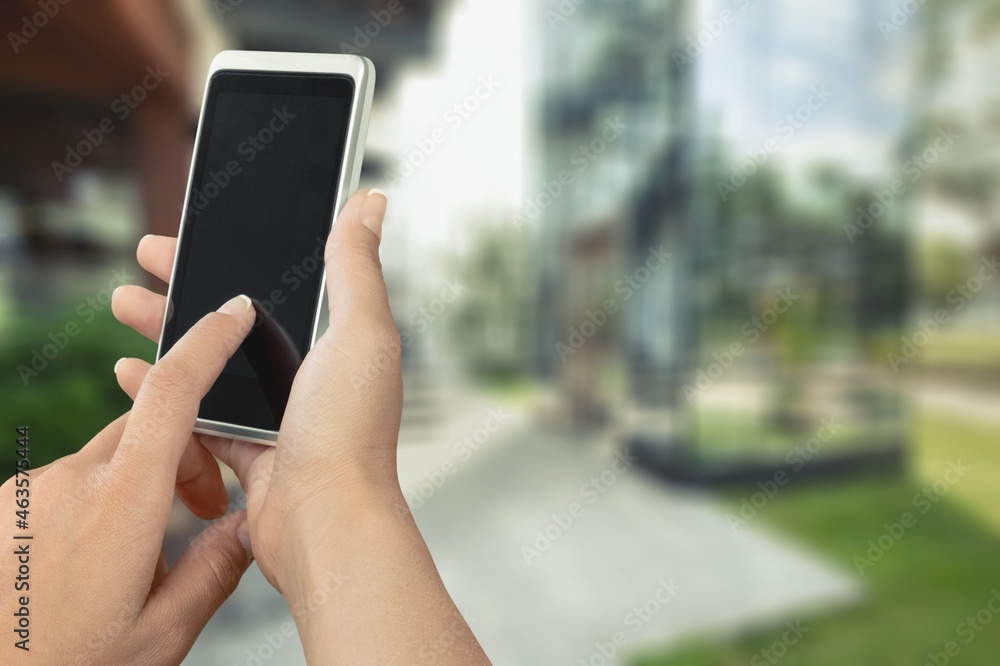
(491, 330)
(944, 265)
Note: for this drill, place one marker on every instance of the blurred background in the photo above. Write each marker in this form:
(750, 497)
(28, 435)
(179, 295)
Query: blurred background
(701, 346)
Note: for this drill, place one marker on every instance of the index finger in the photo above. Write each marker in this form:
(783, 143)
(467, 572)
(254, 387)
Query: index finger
(166, 406)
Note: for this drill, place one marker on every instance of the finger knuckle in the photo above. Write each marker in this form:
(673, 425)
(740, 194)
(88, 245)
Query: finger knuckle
(226, 567)
(382, 342)
(164, 638)
(96, 478)
(346, 242)
(217, 326)
(168, 379)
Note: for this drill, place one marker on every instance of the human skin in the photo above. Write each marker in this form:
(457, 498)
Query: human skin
(326, 519)
(98, 589)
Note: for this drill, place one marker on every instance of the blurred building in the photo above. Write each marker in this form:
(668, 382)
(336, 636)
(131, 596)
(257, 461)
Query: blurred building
(693, 110)
(96, 111)
(100, 107)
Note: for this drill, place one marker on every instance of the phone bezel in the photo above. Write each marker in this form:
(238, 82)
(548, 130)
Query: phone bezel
(362, 72)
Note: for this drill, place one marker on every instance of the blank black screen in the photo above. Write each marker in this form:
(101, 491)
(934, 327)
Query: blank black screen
(260, 208)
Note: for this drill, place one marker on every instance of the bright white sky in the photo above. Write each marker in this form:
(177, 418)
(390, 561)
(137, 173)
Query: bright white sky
(478, 168)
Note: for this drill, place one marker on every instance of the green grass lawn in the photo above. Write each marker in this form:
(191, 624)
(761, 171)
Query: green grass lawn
(942, 570)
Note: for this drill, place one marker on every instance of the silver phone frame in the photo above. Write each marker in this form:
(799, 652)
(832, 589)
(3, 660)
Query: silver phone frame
(362, 71)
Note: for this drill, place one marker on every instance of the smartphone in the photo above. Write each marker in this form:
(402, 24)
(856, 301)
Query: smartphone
(278, 150)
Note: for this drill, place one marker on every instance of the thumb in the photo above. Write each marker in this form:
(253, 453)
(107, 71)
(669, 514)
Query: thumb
(204, 577)
(353, 270)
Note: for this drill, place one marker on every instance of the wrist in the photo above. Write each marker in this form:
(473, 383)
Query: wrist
(330, 535)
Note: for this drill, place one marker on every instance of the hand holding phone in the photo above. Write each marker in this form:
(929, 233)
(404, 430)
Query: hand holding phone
(326, 516)
(279, 147)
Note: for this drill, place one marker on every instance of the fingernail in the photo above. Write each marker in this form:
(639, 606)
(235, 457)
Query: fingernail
(373, 210)
(117, 363)
(243, 535)
(236, 306)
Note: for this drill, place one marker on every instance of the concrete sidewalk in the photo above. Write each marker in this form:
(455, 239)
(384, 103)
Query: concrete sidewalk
(959, 401)
(653, 564)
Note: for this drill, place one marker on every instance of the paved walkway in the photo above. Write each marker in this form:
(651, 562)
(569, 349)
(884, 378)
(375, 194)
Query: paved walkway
(980, 405)
(624, 544)
(655, 564)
